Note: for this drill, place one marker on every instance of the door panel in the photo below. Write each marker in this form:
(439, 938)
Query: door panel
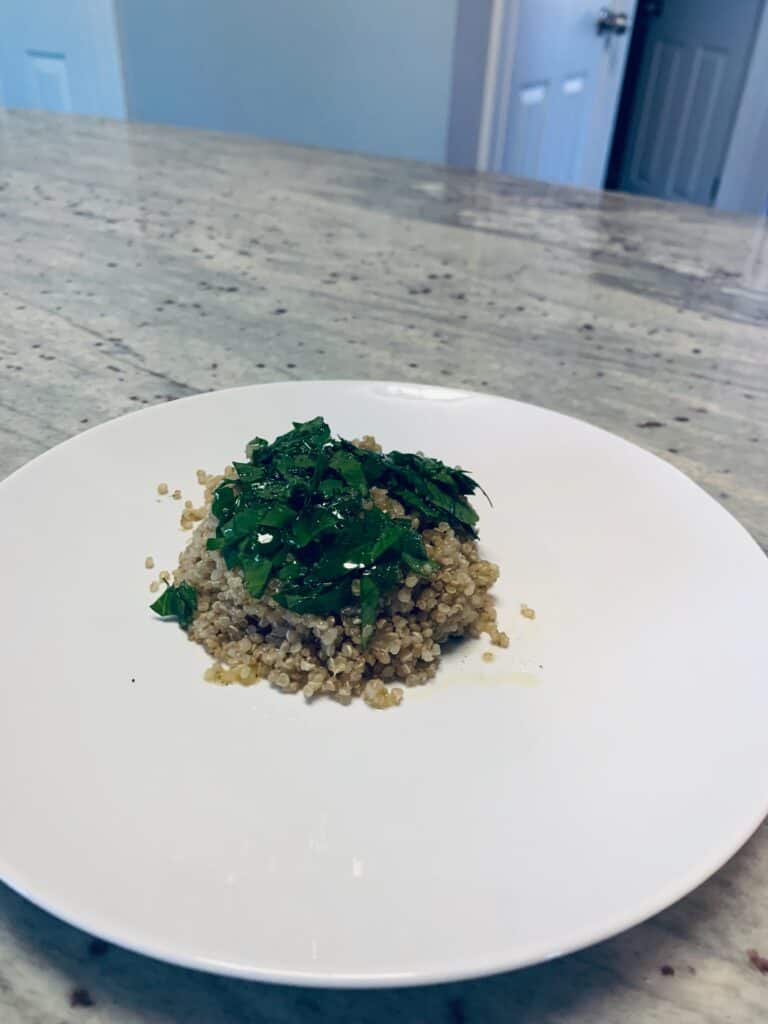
(524, 141)
(659, 111)
(48, 81)
(709, 69)
(563, 93)
(688, 88)
(61, 56)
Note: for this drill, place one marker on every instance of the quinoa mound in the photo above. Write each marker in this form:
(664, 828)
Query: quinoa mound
(252, 639)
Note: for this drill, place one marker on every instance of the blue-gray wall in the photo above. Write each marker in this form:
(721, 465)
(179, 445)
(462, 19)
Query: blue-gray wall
(744, 182)
(367, 75)
(470, 56)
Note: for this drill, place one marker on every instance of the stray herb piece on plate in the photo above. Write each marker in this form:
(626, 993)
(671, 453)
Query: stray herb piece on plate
(177, 602)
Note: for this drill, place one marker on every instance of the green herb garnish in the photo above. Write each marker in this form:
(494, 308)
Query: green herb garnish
(177, 602)
(299, 513)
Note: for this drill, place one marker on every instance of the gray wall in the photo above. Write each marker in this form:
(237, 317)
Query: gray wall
(744, 181)
(368, 75)
(470, 55)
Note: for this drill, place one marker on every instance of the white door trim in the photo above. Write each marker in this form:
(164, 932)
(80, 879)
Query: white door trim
(502, 37)
(484, 51)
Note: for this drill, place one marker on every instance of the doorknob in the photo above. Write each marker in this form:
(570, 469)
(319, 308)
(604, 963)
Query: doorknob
(612, 21)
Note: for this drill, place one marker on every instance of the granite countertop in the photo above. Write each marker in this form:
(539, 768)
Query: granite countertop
(139, 264)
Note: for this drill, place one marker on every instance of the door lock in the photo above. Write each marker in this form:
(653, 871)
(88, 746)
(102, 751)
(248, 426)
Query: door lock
(616, 22)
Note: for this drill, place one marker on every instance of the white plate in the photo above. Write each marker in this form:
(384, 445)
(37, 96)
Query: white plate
(599, 769)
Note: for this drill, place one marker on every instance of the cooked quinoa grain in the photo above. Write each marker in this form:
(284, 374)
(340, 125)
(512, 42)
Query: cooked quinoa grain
(258, 639)
(191, 516)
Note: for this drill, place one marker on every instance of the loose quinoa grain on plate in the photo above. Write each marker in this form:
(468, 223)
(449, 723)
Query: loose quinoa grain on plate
(326, 566)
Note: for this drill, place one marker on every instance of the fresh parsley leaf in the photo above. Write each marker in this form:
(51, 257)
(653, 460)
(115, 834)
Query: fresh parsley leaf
(349, 467)
(310, 524)
(322, 601)
(223, 504)
(424, 567)
(387, 575)
(256, 573)
(256, 445)
(299, 513)
(247, 473)
(177, 602)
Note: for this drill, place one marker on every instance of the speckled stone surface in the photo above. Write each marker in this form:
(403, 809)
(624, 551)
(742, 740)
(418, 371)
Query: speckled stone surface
(139, 264)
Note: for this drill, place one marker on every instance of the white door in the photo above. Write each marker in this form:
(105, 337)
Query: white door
(61, 56)
(691, 76)
(557, 107)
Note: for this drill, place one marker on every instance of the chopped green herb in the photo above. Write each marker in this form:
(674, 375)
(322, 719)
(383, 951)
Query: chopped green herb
(256, 572)
(223, 504)
(254, 446)
(177, 602)
(299, 515)
(350, 469)
(318, 600)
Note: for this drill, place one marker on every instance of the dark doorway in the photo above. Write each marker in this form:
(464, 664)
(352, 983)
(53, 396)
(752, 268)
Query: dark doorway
(685, 74)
